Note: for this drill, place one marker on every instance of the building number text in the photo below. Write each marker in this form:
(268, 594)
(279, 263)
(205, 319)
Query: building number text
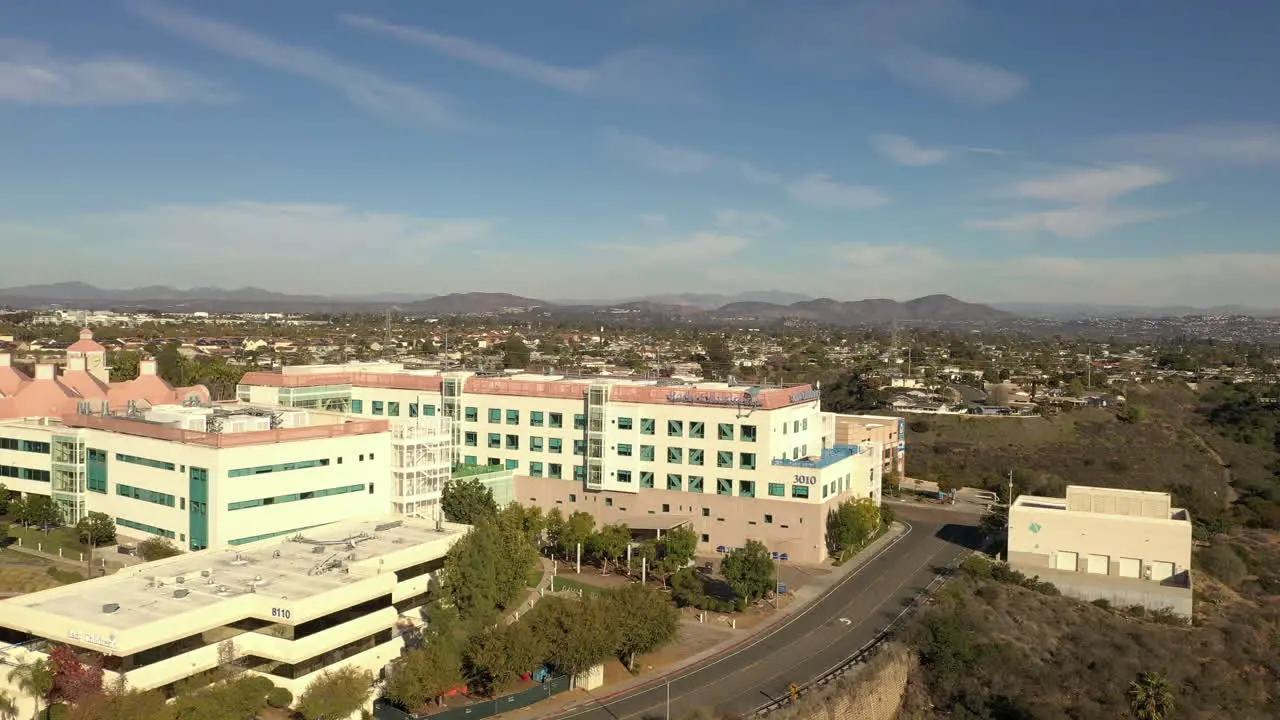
(281, 613)
(807, 479)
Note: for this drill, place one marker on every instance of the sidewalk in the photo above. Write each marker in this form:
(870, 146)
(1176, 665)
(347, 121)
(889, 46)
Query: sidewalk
(803, 597)
(533, 596)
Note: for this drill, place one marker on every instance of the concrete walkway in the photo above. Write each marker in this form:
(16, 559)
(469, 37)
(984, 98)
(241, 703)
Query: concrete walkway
(533, 596)
(801, 599)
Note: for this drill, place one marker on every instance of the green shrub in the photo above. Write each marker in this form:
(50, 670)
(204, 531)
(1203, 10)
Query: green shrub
(257, 685)
(57, 711)
(1220, 561)
(279, 698)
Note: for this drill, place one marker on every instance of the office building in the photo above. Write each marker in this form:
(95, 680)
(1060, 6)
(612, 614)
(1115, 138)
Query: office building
(1128, 547)
(292, 607)
(735, 462)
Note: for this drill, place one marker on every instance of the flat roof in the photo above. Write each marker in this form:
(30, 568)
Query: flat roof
(285, 568)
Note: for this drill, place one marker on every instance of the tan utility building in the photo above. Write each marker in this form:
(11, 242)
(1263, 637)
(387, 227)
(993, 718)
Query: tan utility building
(1129, 547)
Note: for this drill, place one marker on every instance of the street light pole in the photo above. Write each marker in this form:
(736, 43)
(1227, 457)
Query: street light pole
(668, 698)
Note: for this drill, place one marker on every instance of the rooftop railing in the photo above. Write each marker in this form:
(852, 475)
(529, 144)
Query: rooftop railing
(829, 456)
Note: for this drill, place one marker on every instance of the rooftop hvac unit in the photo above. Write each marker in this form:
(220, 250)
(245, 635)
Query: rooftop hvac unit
(206, 573)
(388, 525)
(181, 593)
(108, 608)
(180, 579)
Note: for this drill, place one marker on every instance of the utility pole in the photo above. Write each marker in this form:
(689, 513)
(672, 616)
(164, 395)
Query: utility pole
(668, 698)
(1011, 489)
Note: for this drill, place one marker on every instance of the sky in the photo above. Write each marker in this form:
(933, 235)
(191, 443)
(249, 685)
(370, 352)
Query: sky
(1087, 151)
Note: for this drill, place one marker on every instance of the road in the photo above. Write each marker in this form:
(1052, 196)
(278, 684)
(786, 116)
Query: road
(812, 641)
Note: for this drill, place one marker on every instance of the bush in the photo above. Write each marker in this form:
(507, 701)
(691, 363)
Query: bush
(1220, 561)
(58, 711)
(279, 698)
(919, 426)
(157, 548)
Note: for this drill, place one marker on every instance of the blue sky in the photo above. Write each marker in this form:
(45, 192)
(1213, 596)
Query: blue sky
(1003, 150)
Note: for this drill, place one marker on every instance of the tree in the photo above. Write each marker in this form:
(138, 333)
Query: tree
(336, 694)
(157, 548)
(515, 354)
(853, 392)
(35, 678)
(676, 549)
(96, 529)
(645, 621)
(850, 525)
(496, 657)
(471, 573)
(41, 511)
(749, 570)
(891, 482)
(467, 500)
(1150, 697)
(423, 675)
(566, 536)
(4, 499)
(579, 634)
(609, 543)
(8, 707)
(516, 554)
(73, 680)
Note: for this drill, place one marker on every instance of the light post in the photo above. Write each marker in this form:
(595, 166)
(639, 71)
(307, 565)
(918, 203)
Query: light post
(668, 698)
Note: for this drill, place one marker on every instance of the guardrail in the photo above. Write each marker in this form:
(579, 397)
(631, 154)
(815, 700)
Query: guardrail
(862, 654)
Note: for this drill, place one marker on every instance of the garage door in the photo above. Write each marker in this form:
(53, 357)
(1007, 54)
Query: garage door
(1161, 570)
(1066, 561)
(1099, 564)
(1130, 567)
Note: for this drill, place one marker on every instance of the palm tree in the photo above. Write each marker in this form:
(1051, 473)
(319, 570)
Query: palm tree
(34, 678)
(1150, 697)
(8, 707)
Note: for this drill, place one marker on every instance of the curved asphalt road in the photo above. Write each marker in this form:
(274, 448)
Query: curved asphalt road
(811, 642)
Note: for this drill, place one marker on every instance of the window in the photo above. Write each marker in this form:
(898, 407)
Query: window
(697, 429)
(472, 414)
(579, 421)
(804, 425)
(495, 415)
(554, 471)
(624, 476)
(646, 453)
(294, 497)
(695, 483)
(554, 445)
(695, 456)
(777, 490)
(747, 433)
(706, 538)
(706, 512)
(535, 469)
(747, 488)
(470, 439)
(795, 426)
(579, 472)
(379, 407)
(393, 409)
(573, 497)
(724, 458)
(579, 447)
(470, 460)
(647, 426)
(282, 467)
(624, 423)
(536, 418)
(724, 486)
(495, 462)
(535, 443)
(675, 481)
(608, 502)
(145, 495)
(624, 450)
(747, 461)
(513, 464)
(495, 441)
(513, 417)
(675, 428)
(513, 442)
(429, 410)
(148, 462)
(357, 406)
(799, 491)
(413, 410)
(768, 519)
(145, 528)
(675, 455)
(724, 431)
(666, 507)
(555, 420)
(646, 479)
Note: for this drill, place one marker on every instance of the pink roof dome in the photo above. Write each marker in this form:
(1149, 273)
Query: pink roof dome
(86, 343)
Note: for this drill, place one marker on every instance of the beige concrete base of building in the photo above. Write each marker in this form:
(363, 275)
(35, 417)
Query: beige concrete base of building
(798, 529)
(1174, 594)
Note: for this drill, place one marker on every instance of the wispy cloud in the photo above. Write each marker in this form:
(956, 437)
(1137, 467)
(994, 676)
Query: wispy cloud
(962, 81)
(697, 247)
(1081, 221)
(821, 191)
(904, 151)
(1220, 143)
(364, 88)
(749, 222)
(653, 155)
(31, 74)
(638, 74)
(757, 175)
(1091, 185)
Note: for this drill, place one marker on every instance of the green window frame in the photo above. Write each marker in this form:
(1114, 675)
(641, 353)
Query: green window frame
(555, 471)
(429, 410)
(579, 472)
(624, 423)
(624, 476)
(747, 461)
(747, 433)
(724, 431)
(579, 447)
(675, 455)
(152, 529)
(379, 408)
(513, 465)
(646, 479)
(695, 456)
(471, 439)
(724, 486)
(513, 442)
(536, 418)
(555, 420)
(494, 441)
(535, 443)
(357, 407)
(31, 446)
(724, 458)
(555, 446)
(579, 421)
(393, 409)
(279, 467)
(145, 495)
(96, 470)
(746, 488)
(647, 453)
(695, 483)
(470, 460)
(535, 469)
(22, 473)
(624, 449)
(675, 428)
(697, 429)
(648, 426)
(675, 481)
(513, 417)
(145, 462)
(294, 497)
(495, 415)
(413, 410)
(777, 490)
(471, 414)
(800, 491)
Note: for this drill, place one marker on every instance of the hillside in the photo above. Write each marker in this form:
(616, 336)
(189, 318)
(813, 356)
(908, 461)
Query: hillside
(469, 303)
(932, 308)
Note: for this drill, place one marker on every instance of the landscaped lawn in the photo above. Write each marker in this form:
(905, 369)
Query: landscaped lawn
(563, 583)
(49, 542)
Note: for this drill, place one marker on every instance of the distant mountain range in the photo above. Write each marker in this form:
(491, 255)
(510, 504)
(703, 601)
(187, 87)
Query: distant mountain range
(705, 301)
(1077, 311)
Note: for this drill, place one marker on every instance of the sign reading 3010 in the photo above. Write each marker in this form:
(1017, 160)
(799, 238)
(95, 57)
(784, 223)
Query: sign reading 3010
(806, 479)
